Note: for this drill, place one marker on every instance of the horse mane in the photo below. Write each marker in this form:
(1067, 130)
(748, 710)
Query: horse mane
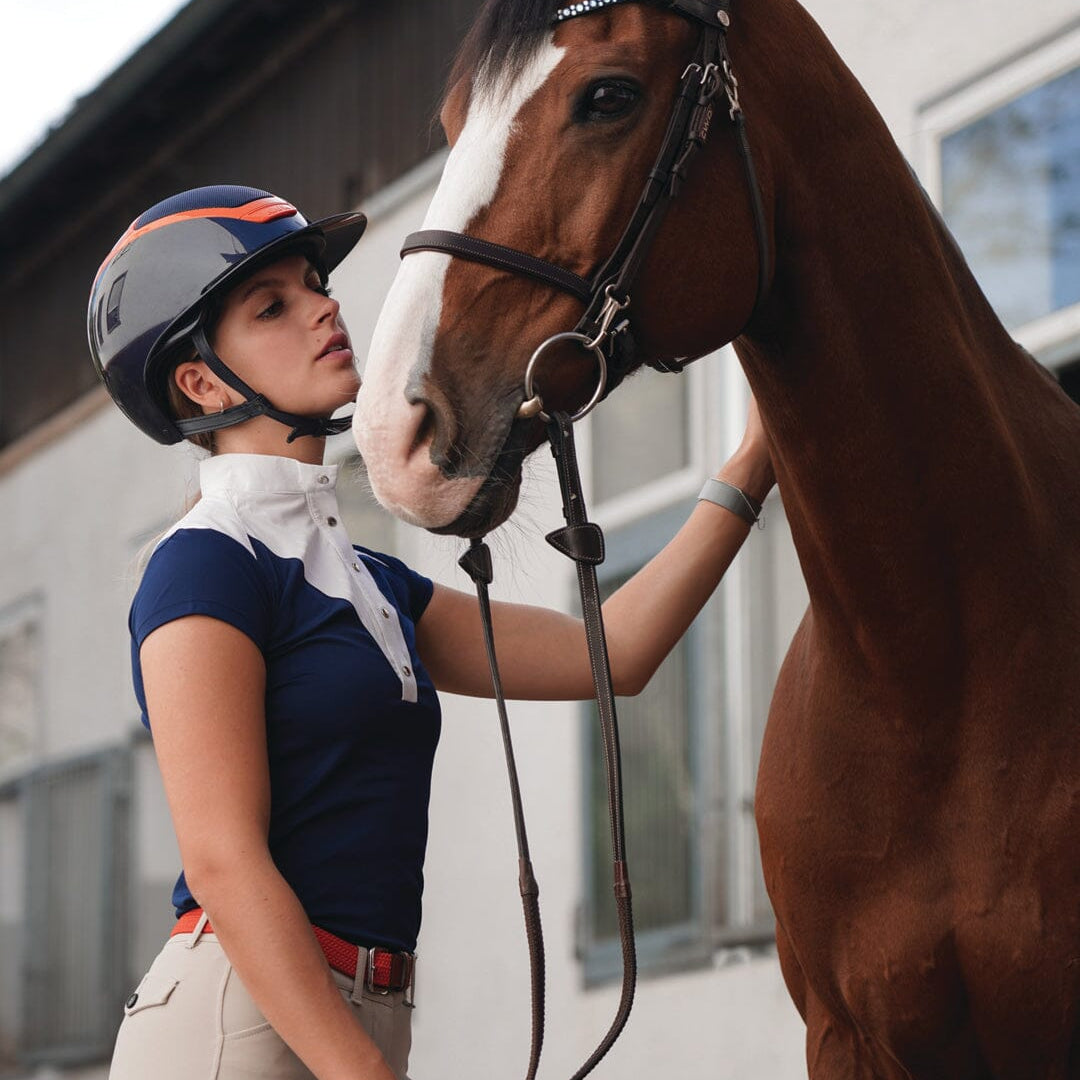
(502, 39)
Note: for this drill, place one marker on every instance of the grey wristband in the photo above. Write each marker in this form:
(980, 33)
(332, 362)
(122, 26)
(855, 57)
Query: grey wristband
(731, 498)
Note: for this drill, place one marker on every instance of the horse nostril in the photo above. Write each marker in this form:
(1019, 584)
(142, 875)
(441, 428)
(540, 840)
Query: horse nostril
(436, 433)
(425, 433)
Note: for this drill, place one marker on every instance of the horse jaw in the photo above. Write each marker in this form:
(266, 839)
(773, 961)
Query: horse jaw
(393, 433)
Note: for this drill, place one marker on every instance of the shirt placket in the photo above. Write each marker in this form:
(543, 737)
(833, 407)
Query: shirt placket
(382, 622)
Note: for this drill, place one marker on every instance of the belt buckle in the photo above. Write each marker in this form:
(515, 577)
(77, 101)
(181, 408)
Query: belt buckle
(406, 962)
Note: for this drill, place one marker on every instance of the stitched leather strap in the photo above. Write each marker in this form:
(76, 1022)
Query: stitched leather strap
(561, 435)
(474, 249)
(476, 562)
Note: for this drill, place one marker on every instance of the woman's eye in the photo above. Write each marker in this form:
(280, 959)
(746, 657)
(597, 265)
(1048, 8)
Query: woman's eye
(270, 311)
(609, 99)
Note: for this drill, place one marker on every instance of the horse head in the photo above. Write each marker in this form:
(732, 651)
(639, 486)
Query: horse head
(554, 128)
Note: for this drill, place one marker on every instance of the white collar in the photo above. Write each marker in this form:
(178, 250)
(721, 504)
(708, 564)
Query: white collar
(264, 473)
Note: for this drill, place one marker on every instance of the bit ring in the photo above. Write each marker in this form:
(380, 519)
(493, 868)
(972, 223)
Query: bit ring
(533, 404)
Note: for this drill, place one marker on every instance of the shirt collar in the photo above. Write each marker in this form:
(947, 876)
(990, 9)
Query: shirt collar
(263, 473)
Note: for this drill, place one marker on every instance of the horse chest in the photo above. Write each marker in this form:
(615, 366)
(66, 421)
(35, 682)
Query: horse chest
(919, 929)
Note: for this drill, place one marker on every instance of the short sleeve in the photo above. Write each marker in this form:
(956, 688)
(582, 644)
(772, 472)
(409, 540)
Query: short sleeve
(203, 572)
(409, 591)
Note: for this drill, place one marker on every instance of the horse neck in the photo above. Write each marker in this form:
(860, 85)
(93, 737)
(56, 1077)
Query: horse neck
(915, 444)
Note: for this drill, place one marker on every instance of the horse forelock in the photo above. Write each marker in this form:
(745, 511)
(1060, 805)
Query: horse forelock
(503, 40)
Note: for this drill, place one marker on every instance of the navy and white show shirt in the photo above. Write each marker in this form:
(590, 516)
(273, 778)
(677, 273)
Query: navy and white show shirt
(352, 719)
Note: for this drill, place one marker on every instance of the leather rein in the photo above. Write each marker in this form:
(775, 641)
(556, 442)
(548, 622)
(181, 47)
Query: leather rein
(605, 296)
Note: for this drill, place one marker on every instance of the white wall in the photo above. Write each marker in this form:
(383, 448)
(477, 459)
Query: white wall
(74, 512)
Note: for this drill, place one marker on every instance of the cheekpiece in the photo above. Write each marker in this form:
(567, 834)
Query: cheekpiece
(583, 8)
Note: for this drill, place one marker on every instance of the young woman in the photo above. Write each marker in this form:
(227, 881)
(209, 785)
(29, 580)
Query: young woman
(289, 678)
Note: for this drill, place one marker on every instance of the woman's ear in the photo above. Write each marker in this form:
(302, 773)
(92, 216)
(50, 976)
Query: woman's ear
(198, 383)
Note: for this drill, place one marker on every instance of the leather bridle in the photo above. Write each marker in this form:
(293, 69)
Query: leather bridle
(607, 293)
(605, 296)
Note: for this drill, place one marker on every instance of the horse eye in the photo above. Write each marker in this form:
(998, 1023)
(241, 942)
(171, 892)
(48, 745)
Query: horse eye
(609, 100)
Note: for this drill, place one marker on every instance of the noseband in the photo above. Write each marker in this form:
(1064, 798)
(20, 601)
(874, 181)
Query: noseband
(607, 293)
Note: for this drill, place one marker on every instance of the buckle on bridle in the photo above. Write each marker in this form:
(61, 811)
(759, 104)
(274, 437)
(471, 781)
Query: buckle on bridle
(612, 307)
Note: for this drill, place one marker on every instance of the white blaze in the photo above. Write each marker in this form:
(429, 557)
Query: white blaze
(385, 425)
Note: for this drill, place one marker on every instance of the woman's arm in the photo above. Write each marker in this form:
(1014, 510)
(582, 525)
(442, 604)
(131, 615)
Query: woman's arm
(542, 653)
(205, 683)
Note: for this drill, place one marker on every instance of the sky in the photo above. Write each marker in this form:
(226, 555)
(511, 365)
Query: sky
(54, 51)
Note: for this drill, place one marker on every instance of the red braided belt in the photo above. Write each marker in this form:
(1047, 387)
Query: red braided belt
(385, 970)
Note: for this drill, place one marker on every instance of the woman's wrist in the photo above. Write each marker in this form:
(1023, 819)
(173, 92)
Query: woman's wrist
(750, 470)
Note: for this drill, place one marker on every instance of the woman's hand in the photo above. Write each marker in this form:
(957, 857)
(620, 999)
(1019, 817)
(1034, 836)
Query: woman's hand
(542, 653)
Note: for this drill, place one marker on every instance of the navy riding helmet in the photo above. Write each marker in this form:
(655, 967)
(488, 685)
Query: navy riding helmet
(151, 298)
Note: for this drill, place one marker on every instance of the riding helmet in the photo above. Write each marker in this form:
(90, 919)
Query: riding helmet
(154, 295)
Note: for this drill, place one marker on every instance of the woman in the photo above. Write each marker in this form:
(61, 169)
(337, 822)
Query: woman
(289, 678)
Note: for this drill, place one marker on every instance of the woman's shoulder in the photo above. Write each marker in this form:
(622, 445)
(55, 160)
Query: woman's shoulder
(205, 564)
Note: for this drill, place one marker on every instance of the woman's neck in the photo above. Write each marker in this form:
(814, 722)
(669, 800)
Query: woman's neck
(262, 435)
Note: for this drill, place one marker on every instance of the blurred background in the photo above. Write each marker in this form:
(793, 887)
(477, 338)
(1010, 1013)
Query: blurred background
(330, 103)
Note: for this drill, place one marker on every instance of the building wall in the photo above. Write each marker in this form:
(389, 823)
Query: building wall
(77, 511)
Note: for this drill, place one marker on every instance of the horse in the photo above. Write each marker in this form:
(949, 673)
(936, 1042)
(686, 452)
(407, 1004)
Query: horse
(918, 794)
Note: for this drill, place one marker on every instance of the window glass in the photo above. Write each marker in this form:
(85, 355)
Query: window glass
(1011, 195)
(640, 433)
(654, 732)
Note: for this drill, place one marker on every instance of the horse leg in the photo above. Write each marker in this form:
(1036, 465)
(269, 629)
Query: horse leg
(835, 1050)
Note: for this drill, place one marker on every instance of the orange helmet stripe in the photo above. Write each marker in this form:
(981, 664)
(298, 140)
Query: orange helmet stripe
(269, 208)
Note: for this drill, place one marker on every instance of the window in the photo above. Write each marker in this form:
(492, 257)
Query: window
(690, 741)
(669, 791)
(1001, 157)
(74, 967)
(1010, 189)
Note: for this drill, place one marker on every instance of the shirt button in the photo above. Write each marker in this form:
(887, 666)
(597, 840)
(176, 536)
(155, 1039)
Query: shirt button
(324, 479)
(132, 1001)
(405, 669)
(385, 613)
(356, 567)
(331, 521)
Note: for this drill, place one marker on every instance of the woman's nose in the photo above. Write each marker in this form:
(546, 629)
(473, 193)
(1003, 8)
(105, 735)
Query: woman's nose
(327, 308)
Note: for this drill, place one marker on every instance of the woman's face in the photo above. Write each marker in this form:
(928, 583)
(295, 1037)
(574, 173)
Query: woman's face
(281, 332)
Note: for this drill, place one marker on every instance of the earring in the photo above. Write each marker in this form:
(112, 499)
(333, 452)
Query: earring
(222, 405)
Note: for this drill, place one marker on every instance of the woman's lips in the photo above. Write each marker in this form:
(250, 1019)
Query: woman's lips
(337, 347)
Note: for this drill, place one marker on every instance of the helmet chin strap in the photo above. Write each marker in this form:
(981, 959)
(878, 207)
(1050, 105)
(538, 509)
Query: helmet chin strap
(254, 404)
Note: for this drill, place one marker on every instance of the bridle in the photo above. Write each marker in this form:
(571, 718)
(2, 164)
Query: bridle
(606, 295)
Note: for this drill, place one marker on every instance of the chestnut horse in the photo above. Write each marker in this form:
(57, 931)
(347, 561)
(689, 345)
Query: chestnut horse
(918, 796)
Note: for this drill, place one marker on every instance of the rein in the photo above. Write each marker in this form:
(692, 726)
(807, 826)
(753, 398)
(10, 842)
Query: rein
(605, 296)
(582, 541)
(607, 293)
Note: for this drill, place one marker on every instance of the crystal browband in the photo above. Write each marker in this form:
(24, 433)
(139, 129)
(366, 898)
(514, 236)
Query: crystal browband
(583, 8)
